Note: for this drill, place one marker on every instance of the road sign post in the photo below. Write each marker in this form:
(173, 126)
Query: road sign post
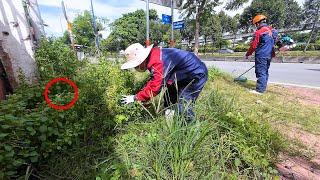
(148, 28)
(172, 36)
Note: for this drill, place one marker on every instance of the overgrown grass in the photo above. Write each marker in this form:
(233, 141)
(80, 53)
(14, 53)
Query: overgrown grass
(223, 143)
(277, 106)
(233, 136)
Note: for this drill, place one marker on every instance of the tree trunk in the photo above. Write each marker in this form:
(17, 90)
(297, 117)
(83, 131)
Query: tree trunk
(196, 36)
(234, 40)
(312, 30)
(205, 43)
(212, 42)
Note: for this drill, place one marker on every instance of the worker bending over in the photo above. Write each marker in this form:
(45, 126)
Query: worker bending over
(181, 72)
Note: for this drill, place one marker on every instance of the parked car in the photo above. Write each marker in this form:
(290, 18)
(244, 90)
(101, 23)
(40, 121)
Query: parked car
(225, 51)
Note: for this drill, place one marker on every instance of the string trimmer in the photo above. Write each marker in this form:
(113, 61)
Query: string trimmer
(241, 78)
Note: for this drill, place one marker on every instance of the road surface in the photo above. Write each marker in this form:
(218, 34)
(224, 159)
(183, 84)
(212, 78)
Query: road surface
(307, 75)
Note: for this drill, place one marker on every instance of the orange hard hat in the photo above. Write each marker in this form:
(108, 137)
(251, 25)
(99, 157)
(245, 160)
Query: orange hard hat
(258, 18)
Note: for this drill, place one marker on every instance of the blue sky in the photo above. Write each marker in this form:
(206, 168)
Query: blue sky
(51, 11)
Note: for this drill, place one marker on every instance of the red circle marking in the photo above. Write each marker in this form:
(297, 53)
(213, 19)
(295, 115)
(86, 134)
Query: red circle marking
(63, 107)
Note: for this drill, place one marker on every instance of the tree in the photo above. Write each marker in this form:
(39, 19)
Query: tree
(273, 9)
(206, 29)
(311, 15)
(131, 28)
(224, 21)
(235, 4)
(128, 29)
(293, 14)
(65, 38)
(216, 31)
(280, 13)
(188, 32)
(83, 31)
(195, 9)
(234, 26)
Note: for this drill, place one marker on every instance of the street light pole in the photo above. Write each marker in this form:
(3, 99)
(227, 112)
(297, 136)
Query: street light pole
(148, 28)
(95, 27)
(172, 36)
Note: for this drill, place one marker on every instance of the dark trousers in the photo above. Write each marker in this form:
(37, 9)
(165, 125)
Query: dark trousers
(262, 73)
(185, 93)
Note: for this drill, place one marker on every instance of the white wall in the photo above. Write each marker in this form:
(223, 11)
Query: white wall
(18, 43)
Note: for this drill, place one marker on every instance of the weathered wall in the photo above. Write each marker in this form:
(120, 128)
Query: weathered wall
(17, 39)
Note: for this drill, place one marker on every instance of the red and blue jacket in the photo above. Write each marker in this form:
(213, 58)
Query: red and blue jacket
(168, 65)
(263, 42)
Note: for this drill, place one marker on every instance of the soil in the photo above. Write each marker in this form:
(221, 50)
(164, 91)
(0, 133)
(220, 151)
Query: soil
(297, 167)
(306, 96)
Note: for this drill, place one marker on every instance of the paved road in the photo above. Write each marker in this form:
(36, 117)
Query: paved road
(280, 73)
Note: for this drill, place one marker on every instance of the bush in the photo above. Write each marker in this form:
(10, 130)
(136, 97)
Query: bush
(33, 133)
(207, 49)
(56, 59)
(311, 47)
(241, 48)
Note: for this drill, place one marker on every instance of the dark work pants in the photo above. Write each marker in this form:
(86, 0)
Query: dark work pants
(262, 73)
(185, 93)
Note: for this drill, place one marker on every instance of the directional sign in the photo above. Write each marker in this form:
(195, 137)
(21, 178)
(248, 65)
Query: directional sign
(178, 25)
(166, 19)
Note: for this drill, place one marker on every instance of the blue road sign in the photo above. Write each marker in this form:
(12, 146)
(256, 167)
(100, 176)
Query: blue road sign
(178, 25)
(166, 19)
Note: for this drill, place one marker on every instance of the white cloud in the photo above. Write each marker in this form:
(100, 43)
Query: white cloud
(106, 10)
(56, 24)
(101, 9)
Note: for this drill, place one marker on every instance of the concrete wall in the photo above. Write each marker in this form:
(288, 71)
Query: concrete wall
(18, 39)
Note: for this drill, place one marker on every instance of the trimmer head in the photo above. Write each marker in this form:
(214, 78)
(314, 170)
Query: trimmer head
(240, 79)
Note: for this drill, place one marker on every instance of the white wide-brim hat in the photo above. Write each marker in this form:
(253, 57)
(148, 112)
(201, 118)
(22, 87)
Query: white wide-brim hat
(135, 54)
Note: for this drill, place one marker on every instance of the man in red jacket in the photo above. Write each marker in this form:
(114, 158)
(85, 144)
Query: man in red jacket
(263, 45)
(168, 67)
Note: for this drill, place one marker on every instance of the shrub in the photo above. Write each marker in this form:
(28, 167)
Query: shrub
(241, 48)
(56, 59)
(31, 132)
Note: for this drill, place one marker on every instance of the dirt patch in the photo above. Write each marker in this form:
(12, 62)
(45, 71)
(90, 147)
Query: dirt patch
(299, 167)
(306, 96)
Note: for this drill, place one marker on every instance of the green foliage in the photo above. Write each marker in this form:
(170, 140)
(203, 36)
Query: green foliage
(56, 59)
(199, 10)
(235, 4)
(311, 47)
(281, 14)
(293, 14)
(222, 144)
(131, 28)
(241, 48)
(83, 31)
(30, 131)
(188, 32)
(33, 133)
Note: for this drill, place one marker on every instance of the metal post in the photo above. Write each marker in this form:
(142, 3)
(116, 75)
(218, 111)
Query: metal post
(172, 36)
(40, 18)
(94, 27)
(148, 28)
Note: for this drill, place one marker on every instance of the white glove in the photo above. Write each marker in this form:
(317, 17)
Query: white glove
(127, 99)
(169, 113)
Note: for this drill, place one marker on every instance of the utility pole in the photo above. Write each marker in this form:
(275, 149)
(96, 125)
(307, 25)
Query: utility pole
(172, 36)
(95, 28)
(40, 18)
(148, 28)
